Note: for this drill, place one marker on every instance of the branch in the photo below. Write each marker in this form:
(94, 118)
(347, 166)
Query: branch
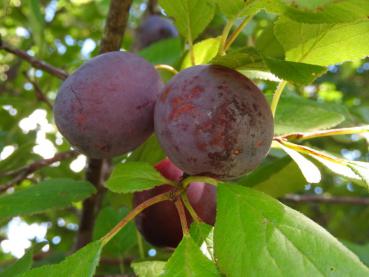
(325, 199)
(115, 25)
(24, 172)
(152, 7)
(57, 72)
(99, 170)
(39, 93)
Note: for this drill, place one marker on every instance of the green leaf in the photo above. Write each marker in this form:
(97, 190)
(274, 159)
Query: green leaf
(244, 58)
(204, 51)
(166, 51)
(328, 11)
(362, 251)
(148, 268)
(50, 194)
(358, 172)
(19, 266)
(260, 75)
(106, 219)
(199, 232)
(134, 176)
(253, 230)
(310, 171)
(81, 263)
(187, 260)
(230, 8)
(308, 4)
(323, 44)
(254, 6)
(268, 45)
(297, 114)
(299, 73)
(238, 8)
(191, 16)
(149, 152)
(276, 178)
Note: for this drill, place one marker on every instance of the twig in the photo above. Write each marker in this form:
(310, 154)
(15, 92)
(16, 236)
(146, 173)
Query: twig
(326, 133)
(325, 199)
(39, 64)
(24, 172)
(39, 93)
(99, 170)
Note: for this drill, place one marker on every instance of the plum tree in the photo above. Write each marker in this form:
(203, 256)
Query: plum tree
(160, 224)
(153, 29)
(212, 120)
(105, 108)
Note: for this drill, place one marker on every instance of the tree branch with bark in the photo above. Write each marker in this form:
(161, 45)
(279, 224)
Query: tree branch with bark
(36, 63)
(20, 174)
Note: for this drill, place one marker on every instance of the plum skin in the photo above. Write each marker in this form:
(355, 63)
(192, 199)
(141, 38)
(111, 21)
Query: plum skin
(153, 29)
(105, 108)
(213, 121)
(160, 224)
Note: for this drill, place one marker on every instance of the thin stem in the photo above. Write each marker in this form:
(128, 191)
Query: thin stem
(40, 95)
(236, 32)
(203, 179)
(166, 68)
(36, 63)
(189, 207)
(132, 214)
(24, 172)
(182, 216)
(326, 133)
(223, 38)
(277, 96)
(141, 249)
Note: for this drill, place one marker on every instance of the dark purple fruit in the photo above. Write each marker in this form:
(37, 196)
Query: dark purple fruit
(160, 224)
(106, 107)
(153, 29)
(212, 120)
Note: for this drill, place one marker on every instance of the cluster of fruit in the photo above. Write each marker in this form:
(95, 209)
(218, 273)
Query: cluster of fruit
(210, 120)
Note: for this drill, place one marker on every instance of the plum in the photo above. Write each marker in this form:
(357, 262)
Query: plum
(213, 121)
(153, 29)
(105, 108)
(160, 224)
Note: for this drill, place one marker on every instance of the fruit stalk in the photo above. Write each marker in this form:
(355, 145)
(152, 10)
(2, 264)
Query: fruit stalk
(189, 207)
(182, 216)
(132, 214)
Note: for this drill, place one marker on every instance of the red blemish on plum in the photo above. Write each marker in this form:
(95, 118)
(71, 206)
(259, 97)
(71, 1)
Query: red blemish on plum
(180, 110)
(80, 119)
